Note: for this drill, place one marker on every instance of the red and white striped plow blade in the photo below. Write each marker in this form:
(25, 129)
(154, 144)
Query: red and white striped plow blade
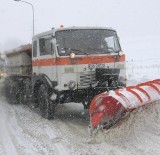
(107, 108)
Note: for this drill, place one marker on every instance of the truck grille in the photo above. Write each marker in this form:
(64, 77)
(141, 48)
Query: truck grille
(86, 79)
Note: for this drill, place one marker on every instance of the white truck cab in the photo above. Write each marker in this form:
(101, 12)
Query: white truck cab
(70, 56)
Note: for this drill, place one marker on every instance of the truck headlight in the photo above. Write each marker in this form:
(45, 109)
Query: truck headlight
(71, 84)
(72, 55)
(120, 53)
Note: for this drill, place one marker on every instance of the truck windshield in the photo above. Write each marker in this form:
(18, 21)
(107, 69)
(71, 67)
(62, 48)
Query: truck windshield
(87, 41)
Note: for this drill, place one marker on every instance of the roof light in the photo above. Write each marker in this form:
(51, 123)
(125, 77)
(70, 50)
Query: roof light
(61, 26)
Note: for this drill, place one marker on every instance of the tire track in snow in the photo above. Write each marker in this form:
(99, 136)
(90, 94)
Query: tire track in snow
(21, 140)
(37, 130)
(52, 136)
(18, 136)
(6, 141)
(73, 126)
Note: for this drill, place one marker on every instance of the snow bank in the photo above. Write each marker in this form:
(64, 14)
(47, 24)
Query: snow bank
(139, 133)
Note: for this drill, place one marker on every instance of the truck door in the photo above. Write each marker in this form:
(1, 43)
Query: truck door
(46, 60)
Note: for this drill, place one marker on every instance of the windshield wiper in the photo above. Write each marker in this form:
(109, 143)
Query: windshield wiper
(100, 49)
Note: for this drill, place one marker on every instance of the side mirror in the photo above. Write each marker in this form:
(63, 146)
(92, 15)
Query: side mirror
(52, 49)
(53, 46)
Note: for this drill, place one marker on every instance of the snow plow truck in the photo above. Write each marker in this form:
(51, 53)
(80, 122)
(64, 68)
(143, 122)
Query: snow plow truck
(65, 65)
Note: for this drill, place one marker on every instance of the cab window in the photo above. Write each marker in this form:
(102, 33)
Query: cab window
(45, 46)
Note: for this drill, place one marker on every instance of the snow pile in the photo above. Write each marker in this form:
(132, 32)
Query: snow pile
(139, 133)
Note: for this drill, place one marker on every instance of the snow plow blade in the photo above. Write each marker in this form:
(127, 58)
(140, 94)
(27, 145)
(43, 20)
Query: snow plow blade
(107, 108)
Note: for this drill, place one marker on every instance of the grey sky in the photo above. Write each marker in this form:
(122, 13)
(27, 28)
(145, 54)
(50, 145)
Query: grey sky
(131, 18)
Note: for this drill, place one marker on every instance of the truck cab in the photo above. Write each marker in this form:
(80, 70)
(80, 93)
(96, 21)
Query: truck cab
(78, 60)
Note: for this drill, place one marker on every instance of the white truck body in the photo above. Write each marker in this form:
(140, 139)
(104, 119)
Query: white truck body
(65, 65)
(19, 61)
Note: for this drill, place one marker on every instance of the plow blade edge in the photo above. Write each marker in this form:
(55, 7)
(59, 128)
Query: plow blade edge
(108, 108)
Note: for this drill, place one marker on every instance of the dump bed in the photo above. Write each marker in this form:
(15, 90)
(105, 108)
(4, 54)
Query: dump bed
(19, 60)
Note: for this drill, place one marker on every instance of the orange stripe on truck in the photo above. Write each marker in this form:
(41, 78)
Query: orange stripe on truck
(77, 60)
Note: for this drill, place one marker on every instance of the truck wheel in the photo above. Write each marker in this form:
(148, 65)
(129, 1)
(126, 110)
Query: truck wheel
(21, 96)
(46, 105)
(25, 92)
(13, 93)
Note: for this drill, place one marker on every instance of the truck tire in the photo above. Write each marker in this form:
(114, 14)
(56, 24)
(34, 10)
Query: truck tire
(12, 93)
(25, 91)
(46, 105)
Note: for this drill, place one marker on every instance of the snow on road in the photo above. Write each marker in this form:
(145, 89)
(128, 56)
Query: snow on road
(24, 132)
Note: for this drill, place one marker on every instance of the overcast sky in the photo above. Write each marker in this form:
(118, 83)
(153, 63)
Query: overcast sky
(131, 18)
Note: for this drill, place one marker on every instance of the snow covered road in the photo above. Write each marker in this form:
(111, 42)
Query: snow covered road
(24, 132)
